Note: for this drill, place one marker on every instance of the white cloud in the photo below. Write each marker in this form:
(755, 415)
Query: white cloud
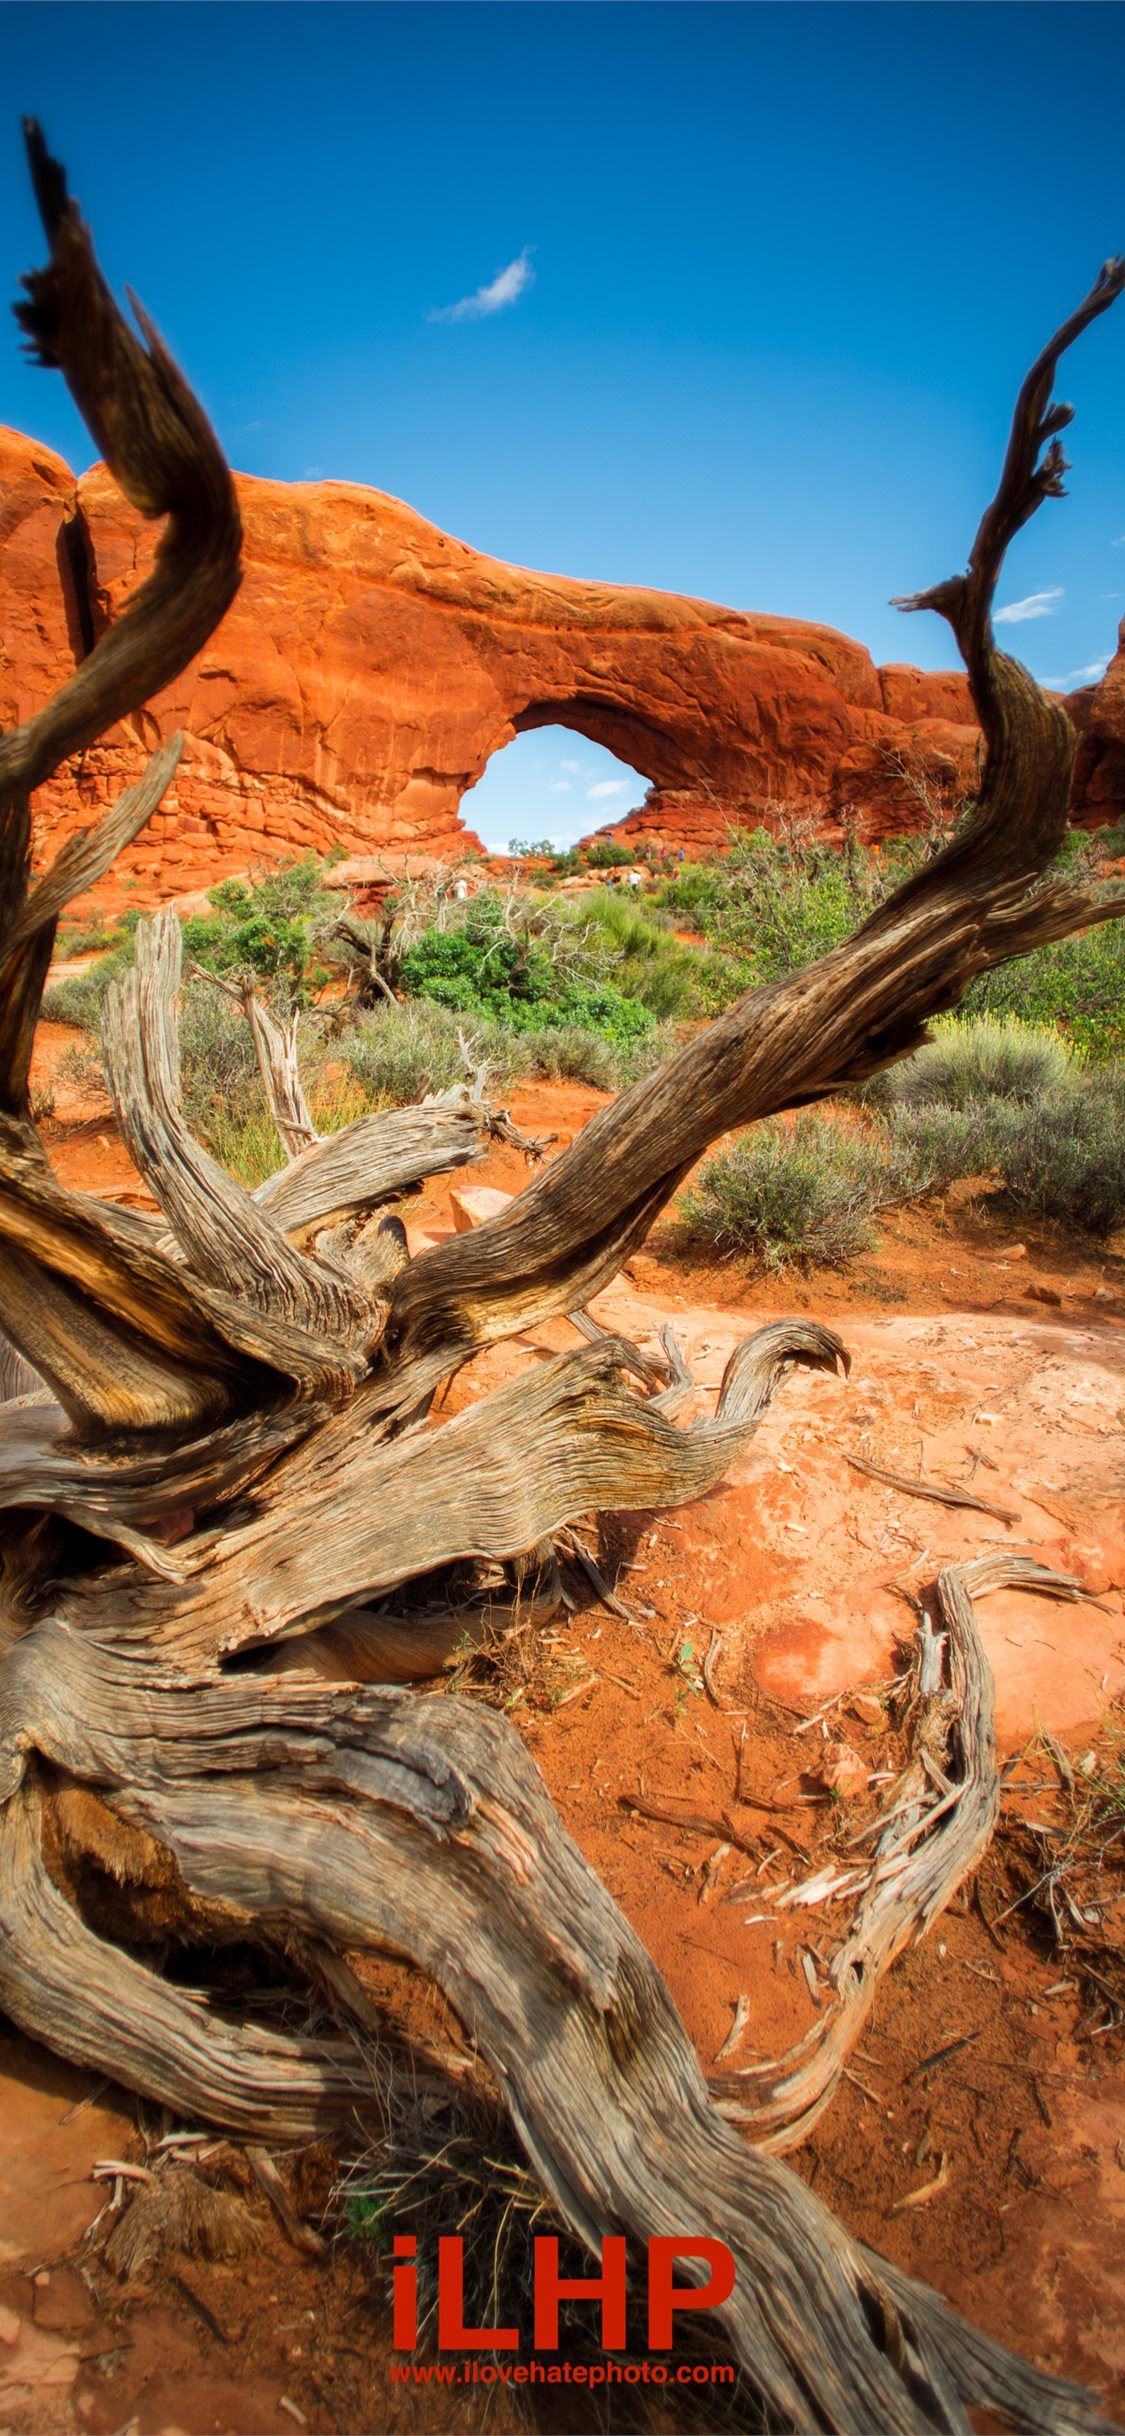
(1076, 676)
(1118, 542)
(314, 473)
(575, 768)
(506, 289)
(1037, 604)
(559, 786)
(604, 789)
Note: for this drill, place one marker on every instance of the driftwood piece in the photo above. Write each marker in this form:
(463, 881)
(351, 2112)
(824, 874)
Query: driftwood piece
(940, 1492)
(249, 1418)
(935, 1824)
(352, 1171)
(348, 1515)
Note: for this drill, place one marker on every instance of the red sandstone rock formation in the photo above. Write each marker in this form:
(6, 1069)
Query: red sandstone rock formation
(371, 665)
(1098, 713)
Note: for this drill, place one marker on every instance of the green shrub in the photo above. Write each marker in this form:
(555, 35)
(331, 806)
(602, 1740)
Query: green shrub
(988, 1057)
(81, 1000)
(1077, 984)
(609, 935)
(606, 854)
(780, 901)
(794, 1194)
(478, 968)
(1065, 1158)
(263, 928)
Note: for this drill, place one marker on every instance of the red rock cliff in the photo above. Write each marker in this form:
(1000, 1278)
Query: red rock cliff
(371, 665)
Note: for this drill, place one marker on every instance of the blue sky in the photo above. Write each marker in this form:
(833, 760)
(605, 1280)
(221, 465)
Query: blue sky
(731, 299)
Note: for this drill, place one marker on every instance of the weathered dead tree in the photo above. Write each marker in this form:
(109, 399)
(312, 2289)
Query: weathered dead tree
(226, 1453)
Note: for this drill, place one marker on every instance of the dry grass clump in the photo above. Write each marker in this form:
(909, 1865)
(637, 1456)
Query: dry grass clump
(450, 2165)
(177, 2212)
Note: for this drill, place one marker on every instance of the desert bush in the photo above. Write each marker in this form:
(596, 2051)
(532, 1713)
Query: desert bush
(807, 1193)
(794, 1194)
(264, 929)
(489, 965)
(220, 1080)
(929, 1146)
(989, 1057)
(1077, 985)
(86, 938)
(80, 1000)
(1065, 1158)
(81, 1066)
(398, 1054)
(575, 1053)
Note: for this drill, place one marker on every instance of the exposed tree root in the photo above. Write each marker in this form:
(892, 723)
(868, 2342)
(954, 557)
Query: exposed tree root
(934, 1828)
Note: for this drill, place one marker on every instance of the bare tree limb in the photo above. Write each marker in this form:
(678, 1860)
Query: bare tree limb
(936, 1823)
(161, 450)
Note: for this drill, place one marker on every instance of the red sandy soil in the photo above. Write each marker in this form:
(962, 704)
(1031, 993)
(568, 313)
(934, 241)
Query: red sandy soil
(985, 1353)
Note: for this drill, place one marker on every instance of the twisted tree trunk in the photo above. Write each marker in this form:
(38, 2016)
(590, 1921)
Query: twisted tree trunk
(225, 1451)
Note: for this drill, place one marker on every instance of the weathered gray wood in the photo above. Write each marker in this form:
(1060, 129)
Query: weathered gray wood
(936, 1822)
(275, 1047)
(162, 451)
(104, 2010)
(368, 1162)
(229, 1241)
(348, 1515)
(370, 1819)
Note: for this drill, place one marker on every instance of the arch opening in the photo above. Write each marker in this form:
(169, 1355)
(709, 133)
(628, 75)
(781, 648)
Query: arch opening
(550, 785)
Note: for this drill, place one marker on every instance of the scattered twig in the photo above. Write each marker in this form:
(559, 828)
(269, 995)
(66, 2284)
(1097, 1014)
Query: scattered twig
(939, 1492)
(926, 2190)
(941, 2055)
(204, 2314)
(737, 2031)
(692, 1822)
(269, 2180)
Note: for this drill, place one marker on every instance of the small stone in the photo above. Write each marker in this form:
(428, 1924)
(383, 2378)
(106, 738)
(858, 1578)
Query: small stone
(841, 1769)
(9, 2326)
(473, 1204)
(1044, 1294)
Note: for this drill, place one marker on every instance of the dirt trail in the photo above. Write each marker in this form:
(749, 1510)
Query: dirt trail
(984, 1356)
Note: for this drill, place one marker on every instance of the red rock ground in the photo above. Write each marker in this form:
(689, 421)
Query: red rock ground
(982, 1353)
